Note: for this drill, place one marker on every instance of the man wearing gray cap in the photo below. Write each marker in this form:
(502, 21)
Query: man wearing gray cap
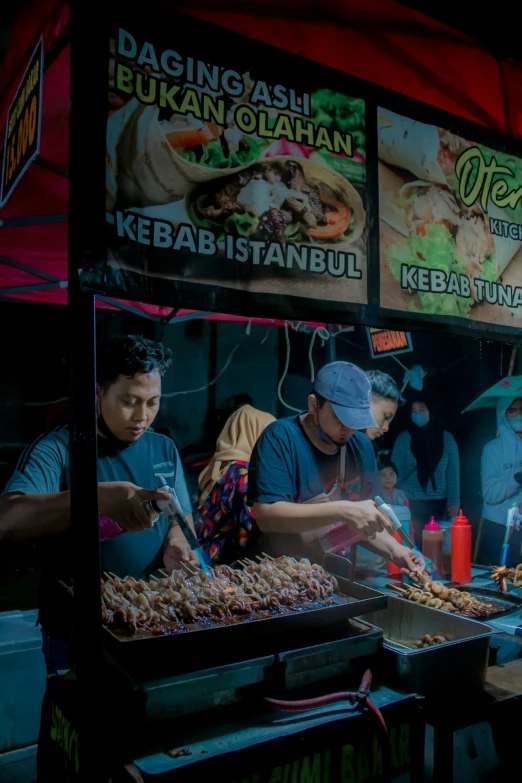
(318, 468)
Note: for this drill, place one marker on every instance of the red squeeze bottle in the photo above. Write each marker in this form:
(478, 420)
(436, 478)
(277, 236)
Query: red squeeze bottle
(391, 568)
(461, 550)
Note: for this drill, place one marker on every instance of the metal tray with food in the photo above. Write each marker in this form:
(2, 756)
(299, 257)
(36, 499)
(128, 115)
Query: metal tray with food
(503, 603)
(465, 600)
(460, 660)
(237, 615)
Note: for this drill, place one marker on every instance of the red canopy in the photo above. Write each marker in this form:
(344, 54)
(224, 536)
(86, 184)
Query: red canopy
(381, 41)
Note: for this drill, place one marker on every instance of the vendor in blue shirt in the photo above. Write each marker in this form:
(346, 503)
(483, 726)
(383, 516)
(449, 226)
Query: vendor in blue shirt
(131, 460)
(298, 461)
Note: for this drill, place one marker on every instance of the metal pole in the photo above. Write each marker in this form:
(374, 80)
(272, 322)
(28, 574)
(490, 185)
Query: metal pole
(87, 641)
(86, 227)
(84, 487)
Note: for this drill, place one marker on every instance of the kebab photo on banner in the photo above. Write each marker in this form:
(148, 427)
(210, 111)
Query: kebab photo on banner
(450, 224)
(265, 182)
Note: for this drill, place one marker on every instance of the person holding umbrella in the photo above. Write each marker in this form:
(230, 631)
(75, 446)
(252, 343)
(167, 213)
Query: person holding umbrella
(501, 470)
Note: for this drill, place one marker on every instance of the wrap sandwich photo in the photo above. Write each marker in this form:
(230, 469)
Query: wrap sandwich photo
(280, 199)
(153, 156)
(418, 199)
(427, 151)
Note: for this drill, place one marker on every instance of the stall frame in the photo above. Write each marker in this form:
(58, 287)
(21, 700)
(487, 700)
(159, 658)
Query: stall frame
(87, 180)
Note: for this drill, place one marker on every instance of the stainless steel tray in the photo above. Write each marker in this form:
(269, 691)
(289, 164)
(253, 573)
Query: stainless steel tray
(461, 662)
(199, 691)
(330, 659)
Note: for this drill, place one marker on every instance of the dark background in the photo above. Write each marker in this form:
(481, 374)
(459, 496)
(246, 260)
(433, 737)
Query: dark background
(494, 26)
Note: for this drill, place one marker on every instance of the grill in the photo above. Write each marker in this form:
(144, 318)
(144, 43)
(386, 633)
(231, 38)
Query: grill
(243, 639)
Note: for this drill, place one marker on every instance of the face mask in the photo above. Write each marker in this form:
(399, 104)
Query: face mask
(322, 434)
(111, 439)
(419, 418)
(324, 437)
(515, 423)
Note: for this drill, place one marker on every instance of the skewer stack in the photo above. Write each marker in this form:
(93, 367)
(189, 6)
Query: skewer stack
(437, 595)
(170, 602)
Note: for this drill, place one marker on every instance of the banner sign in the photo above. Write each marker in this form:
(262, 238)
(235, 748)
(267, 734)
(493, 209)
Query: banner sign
(450, 224)
(244, 179)
(225, 169)
(22, 132)
(385, 342)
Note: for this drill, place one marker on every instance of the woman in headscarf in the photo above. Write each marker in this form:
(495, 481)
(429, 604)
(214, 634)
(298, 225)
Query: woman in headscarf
(502, 482)
(227, 519)
(427, 458)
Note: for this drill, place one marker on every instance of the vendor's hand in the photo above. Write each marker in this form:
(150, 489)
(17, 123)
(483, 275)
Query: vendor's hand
(364, 517)
(123, 502)
(177, 551)
(408, 560)
(453, 511)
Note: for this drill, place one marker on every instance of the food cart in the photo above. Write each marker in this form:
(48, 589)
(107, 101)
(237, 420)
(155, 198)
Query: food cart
(243, 179)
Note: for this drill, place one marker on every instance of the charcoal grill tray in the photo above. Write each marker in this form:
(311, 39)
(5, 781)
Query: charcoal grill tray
(506, 602)
(144, 655)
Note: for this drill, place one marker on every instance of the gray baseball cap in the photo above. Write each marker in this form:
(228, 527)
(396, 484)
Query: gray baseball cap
(348, 389)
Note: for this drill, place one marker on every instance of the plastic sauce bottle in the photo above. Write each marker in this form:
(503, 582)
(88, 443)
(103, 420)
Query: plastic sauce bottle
(391, 569)
(337, 538)
(461, 550)
(432, 537)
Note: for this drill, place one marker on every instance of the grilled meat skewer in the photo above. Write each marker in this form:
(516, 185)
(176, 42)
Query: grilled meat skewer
(172, 600)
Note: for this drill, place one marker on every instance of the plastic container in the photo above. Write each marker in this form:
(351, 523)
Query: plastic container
(391, 569)
(461, 550)
(403, 514)
(432, 544)
(337, 538)
(108, 528)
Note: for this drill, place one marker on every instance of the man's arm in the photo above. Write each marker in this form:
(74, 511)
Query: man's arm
(283, 517)
(385, 545)
(33, 505)
(27, 517)
(363, 516)
(176, 548)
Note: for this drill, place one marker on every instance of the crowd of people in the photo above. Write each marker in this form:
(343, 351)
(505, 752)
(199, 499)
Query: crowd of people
(422, 471)
(271, 486)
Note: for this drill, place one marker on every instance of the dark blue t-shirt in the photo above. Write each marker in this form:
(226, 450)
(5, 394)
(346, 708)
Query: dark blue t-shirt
(44, 468)
(286, 465)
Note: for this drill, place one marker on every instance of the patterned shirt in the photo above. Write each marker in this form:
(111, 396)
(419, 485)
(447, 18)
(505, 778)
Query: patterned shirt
(447, 473)
(227, 519)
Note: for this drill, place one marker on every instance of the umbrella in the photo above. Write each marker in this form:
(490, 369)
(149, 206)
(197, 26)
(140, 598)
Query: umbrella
(507, 387)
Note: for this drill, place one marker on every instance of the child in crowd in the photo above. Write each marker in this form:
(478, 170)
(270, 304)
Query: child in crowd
(389, 477)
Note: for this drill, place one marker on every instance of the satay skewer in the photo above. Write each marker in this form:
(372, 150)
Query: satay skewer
(140, 605)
